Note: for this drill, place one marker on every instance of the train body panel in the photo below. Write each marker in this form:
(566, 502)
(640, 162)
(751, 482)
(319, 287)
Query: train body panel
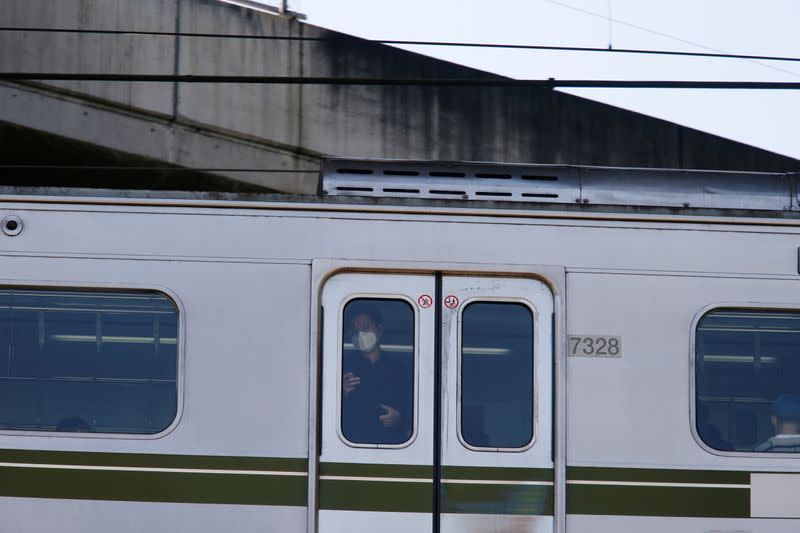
(29, 515)
(565, 372)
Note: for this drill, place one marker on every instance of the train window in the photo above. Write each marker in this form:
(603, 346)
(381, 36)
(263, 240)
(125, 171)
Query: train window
(497, 375)
(378, 371)
(747, 380)
(87, 361)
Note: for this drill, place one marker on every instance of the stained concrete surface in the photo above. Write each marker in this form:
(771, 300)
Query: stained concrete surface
(291, 127)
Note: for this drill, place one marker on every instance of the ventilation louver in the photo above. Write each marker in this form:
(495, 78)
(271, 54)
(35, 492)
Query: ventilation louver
(561, 184)
(444, 181)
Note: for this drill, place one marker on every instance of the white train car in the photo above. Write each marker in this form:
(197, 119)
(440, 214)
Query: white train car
(422, 347)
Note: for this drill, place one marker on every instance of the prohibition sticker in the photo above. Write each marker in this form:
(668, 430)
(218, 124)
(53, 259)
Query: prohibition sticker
(425, 301)
(451, 301)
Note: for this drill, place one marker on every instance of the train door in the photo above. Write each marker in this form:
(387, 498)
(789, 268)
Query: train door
(376, 467)
(497, 461)
(436, 404)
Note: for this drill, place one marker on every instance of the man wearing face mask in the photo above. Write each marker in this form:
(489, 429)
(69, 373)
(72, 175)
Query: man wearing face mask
(376, 390)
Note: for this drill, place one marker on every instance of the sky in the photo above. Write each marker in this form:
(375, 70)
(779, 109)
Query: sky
(767, 119)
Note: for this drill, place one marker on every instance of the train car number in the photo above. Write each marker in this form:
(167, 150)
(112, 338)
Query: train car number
(594, 346)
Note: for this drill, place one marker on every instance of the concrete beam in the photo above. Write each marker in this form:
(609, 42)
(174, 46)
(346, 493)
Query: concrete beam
(155, 138)
(289, 126)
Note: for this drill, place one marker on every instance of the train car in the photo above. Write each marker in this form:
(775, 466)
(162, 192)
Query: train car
(420, 347)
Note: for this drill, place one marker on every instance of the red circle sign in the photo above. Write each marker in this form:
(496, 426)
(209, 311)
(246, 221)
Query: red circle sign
(425, 301)
(451, 301)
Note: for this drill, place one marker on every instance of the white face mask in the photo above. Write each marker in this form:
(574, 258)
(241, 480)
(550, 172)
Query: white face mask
(365, 341)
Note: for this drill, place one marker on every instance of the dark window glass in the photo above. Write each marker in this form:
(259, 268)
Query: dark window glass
(497, 375)
(378, 371)
(91, 362)
(747, 386)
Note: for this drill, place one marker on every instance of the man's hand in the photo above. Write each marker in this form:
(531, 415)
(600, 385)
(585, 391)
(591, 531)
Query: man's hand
(349, 382)
(390, 418)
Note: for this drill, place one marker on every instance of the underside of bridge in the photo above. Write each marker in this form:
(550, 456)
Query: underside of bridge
(38, 159)
(271, 137)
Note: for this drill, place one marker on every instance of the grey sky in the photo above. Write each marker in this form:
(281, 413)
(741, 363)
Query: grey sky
(767, 119)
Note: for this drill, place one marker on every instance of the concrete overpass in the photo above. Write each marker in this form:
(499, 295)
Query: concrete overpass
(177, 126)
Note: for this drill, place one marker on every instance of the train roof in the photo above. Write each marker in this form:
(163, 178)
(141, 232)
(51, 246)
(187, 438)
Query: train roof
(488, 188)
(560, 184)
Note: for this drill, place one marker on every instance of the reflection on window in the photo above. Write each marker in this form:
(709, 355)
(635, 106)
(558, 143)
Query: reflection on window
(378, 371)
(497, 375)
(747, 380)
(90, 362)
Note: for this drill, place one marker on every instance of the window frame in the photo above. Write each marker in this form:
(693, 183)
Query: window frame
(170, 295)
(731, 306)
(534, 377)
(340, 361)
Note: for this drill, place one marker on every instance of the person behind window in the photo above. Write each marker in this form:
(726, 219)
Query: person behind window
(785, 424)
(376, 390)
(709, 432)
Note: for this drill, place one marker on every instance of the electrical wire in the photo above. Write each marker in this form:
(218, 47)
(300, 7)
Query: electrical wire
(718, 55)
(712, 51)
(158, 168)
(551, 83)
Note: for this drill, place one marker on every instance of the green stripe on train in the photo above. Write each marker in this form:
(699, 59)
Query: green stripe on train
(417, 497)
(402, 495)
(662, 475)
(357, 495)
(426, 472)
(643, 500)
(497, 499)
(180, 487)
(376, 470)
(145, 460)
(497, 473)
(640, 500)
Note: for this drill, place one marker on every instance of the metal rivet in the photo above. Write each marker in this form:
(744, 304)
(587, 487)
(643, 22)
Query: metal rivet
(12, 225)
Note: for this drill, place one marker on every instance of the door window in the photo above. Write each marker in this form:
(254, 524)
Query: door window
(377, 371)
(497, 375)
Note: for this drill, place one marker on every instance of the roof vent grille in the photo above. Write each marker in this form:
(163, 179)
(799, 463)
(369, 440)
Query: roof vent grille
(401, 191)
(451, 181)
(400, 173)
(438, 174)
(559, 184)
(353, 171)
(487, 193)
(354, 189)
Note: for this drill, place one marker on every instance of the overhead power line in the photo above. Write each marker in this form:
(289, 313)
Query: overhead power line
(443, 82)
(116, 168)
(455, 44)
(714, 51)
(621, 22)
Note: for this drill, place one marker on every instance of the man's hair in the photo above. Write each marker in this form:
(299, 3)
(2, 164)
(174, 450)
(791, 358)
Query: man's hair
(787, 408)
(362, 307)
